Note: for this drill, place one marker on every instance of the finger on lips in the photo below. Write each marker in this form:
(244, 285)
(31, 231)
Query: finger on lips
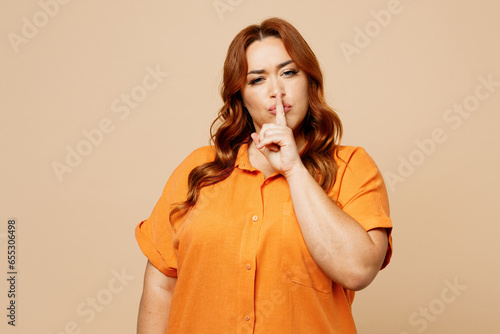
(280, 111)
(266, 131)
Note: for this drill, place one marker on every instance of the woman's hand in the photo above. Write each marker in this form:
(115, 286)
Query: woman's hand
(277, 143)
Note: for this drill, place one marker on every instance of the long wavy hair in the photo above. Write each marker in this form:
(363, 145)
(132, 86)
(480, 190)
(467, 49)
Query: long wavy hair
(322, 128)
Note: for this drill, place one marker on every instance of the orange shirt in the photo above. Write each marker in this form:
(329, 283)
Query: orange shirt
(241, 262)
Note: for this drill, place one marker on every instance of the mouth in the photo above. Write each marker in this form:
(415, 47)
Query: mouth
(286, 108)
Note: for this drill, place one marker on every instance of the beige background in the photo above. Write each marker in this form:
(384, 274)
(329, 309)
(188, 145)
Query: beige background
(77, 234)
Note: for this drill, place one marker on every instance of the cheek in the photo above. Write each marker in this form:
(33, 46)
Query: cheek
(304, 89)
(247, 99)
(252, 99)
(298, 87)
(301, 95)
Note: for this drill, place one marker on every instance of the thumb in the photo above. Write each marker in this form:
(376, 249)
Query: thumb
(255, 138)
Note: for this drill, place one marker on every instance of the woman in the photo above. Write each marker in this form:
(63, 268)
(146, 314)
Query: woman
(273, 228)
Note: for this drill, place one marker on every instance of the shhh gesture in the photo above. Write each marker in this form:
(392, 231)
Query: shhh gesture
(277, 143)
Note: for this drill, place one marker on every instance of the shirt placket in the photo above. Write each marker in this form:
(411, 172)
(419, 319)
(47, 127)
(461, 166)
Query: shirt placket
(247, 265)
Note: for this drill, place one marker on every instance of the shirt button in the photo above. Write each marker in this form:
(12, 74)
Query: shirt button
(266, 182)
(254, 218)
(248, 266)
(247, 318)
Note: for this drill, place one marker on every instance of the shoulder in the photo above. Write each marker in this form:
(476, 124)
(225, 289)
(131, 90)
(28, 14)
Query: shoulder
(359, 180)
(200, 156)
(348, 157)
(178, 180)
(356, 169)
(197, 157)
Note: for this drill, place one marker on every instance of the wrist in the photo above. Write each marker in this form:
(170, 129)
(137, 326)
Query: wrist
(297, 172)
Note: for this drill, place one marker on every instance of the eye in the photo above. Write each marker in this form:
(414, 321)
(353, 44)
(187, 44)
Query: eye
(256, 81)
(290, 73)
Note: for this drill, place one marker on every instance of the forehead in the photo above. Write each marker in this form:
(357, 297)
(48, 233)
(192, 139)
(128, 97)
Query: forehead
(266, 53)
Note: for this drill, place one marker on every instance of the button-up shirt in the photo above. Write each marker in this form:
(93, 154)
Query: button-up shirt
(241, 263)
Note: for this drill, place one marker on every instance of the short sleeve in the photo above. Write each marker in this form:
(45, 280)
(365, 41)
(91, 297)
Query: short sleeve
(155, 235)
(363, 195)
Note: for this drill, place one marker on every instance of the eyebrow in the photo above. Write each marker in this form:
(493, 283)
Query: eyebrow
(278, 67)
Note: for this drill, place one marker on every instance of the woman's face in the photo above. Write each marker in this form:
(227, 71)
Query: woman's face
(271, 71)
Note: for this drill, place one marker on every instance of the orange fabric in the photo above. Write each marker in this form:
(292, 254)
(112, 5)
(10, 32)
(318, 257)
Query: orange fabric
(241, 262)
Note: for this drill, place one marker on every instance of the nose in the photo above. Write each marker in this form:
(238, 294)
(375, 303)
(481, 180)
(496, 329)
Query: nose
(276, 87)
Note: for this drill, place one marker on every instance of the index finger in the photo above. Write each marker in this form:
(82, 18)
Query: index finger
(280, 111)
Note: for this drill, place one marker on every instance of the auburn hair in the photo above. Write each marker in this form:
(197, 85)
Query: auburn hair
(321, 128)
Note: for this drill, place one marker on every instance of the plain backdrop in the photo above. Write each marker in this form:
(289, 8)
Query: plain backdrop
(88, 140)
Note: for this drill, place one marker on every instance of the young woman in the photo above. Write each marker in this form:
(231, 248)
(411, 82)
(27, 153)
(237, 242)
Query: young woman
(273, 227)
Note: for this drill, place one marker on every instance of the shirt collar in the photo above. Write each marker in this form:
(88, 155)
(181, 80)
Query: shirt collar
(242, 160)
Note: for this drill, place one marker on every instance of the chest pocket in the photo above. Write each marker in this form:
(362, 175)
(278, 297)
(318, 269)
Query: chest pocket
(297, 263)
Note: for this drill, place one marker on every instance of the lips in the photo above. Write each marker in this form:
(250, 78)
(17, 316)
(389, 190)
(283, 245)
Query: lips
(286, 108)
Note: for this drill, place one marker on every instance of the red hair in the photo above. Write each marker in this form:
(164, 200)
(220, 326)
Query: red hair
(322, 128)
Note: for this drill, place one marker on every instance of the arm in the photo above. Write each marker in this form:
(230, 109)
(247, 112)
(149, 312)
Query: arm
(340, 246)
(155, 302)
